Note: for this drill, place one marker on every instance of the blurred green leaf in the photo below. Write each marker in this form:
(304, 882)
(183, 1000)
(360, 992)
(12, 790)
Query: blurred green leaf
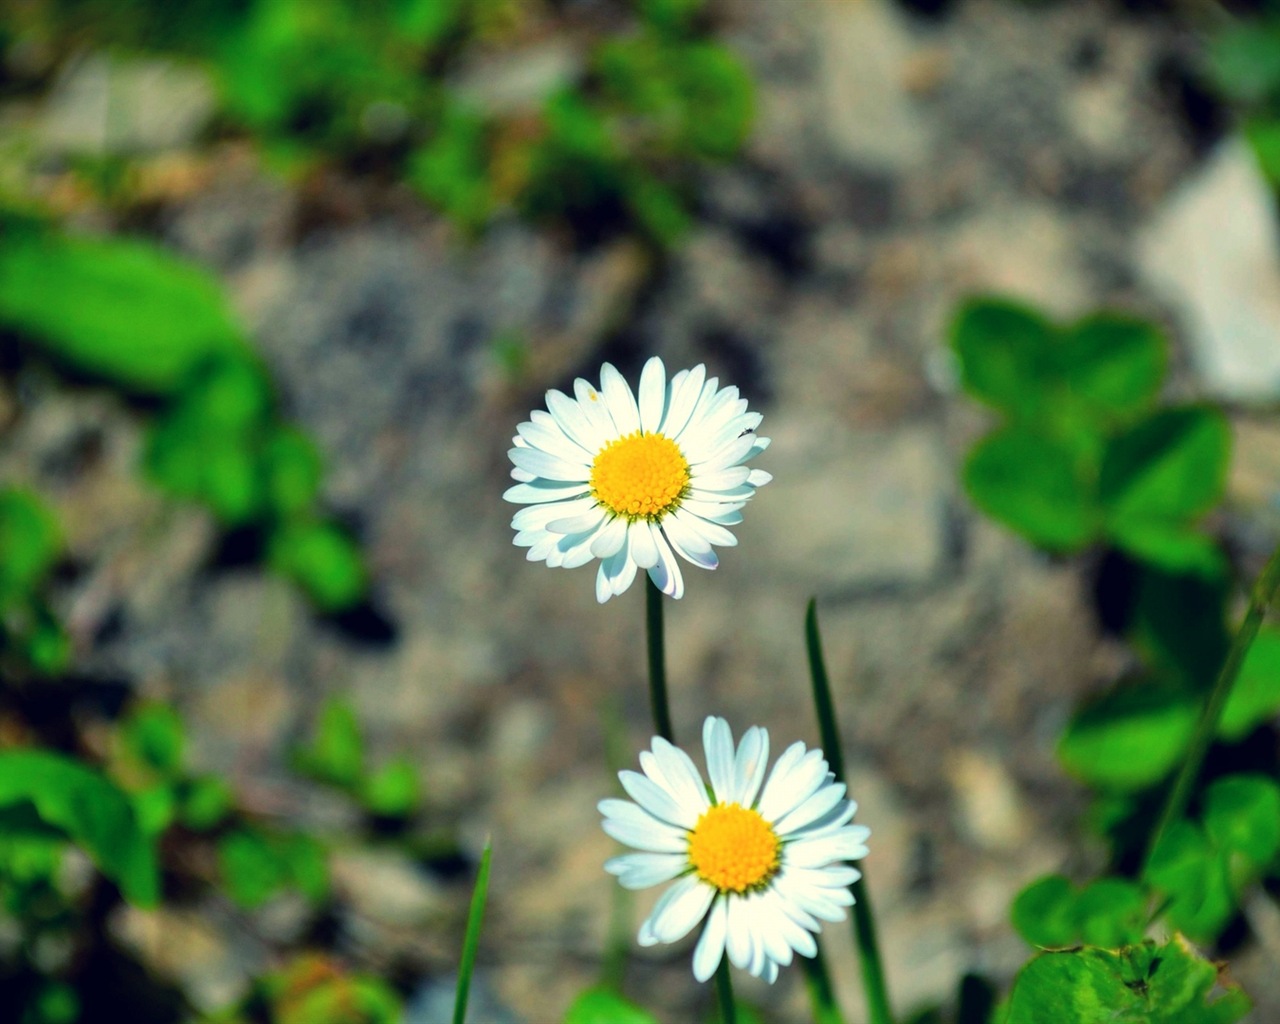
(392, 791)
(670, 16)
(452, 169)
(600, 1005)
(1112, 913)
(1145, 984)
(1113, 365)
(1129, 738)
(232, 481)
(1004, 350)
(1033, 484)
(255, 865)
(124, 310)
(323, 560)
(227, 396)
(426, 22)
(1242, 812)
(1193, 874)
(294, 470)
(1179, 625)
(155, 807)
(30, 543)
(88, 809)
(1255, 698)
(1263, 134)
(205, 802)
(335, 753)
(1160, 475)
(153, 736)
(1044, 913)
(1245, 60)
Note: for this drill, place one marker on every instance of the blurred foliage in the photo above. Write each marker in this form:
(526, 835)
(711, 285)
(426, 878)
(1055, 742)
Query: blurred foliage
(335, 754)
(1083, 455)
(613, 146)
(31, 638)
(1244, 63)
(1137, 984)
(1086, 455)
(131, 314)
(314, 989)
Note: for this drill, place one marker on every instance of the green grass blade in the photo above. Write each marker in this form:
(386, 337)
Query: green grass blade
(472, 941)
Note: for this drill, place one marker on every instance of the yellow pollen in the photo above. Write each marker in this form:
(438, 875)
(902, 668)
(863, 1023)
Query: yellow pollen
(640, 476)
(733, 848)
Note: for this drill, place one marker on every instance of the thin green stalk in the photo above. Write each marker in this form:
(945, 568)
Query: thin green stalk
(724, 993)
(657, 661)
(864, 922)
(471, 942)
(1175, 806)
(618, 941)
(821, 994)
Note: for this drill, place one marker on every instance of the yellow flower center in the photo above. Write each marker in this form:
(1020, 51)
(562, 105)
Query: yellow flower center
(640, 476)
(733, 848)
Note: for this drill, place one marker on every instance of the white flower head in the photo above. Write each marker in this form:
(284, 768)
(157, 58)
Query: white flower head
(761, 864)
(635, 482)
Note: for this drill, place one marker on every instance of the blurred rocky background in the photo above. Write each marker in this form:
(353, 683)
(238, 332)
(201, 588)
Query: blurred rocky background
(901, 157)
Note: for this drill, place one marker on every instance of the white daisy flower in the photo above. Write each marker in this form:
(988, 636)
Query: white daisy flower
(761, 865)
(635, 483)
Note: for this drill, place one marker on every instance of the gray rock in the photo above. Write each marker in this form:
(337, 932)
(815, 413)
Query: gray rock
(870, 115)
(854, 511)
(109, 104)
(433, 1003)
(1215, 252)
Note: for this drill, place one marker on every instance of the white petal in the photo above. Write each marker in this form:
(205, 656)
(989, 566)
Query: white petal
(657, 801)
(647, 834)
(786, 791)
(824, 800)
(749, 764)
(584, 522)
(548, 467)
(721, 480)
(789, 759)
(593, 407)
(554, 441)
(673, 769)
(688, 543)
(653, 394)
(644, 549)
(710, 949)
(680, 908)
(610, 538)
(536, 517)
(710, 532)
(758, 477)
(684, 394)
(717, 742)
(739, 943)
(571, 418)
(537, 491)
(622, 570)
(666, 574)
(619, 400)
(642, 870)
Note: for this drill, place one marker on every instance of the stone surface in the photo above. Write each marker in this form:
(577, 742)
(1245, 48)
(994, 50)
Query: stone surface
(111, 104)
(870, 116)
(1214, 251)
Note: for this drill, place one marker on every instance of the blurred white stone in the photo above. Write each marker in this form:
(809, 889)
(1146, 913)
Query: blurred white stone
(103, 104)
(870, 116)
(1215, 251)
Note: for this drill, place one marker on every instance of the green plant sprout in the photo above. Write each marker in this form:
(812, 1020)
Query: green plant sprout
(132, 315)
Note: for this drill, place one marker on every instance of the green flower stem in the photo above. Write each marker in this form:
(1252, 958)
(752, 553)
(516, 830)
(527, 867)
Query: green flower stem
(1175, 806)
(724, 993)
(657, 660)
(864, 922)
(817, 979)
(472, 940)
